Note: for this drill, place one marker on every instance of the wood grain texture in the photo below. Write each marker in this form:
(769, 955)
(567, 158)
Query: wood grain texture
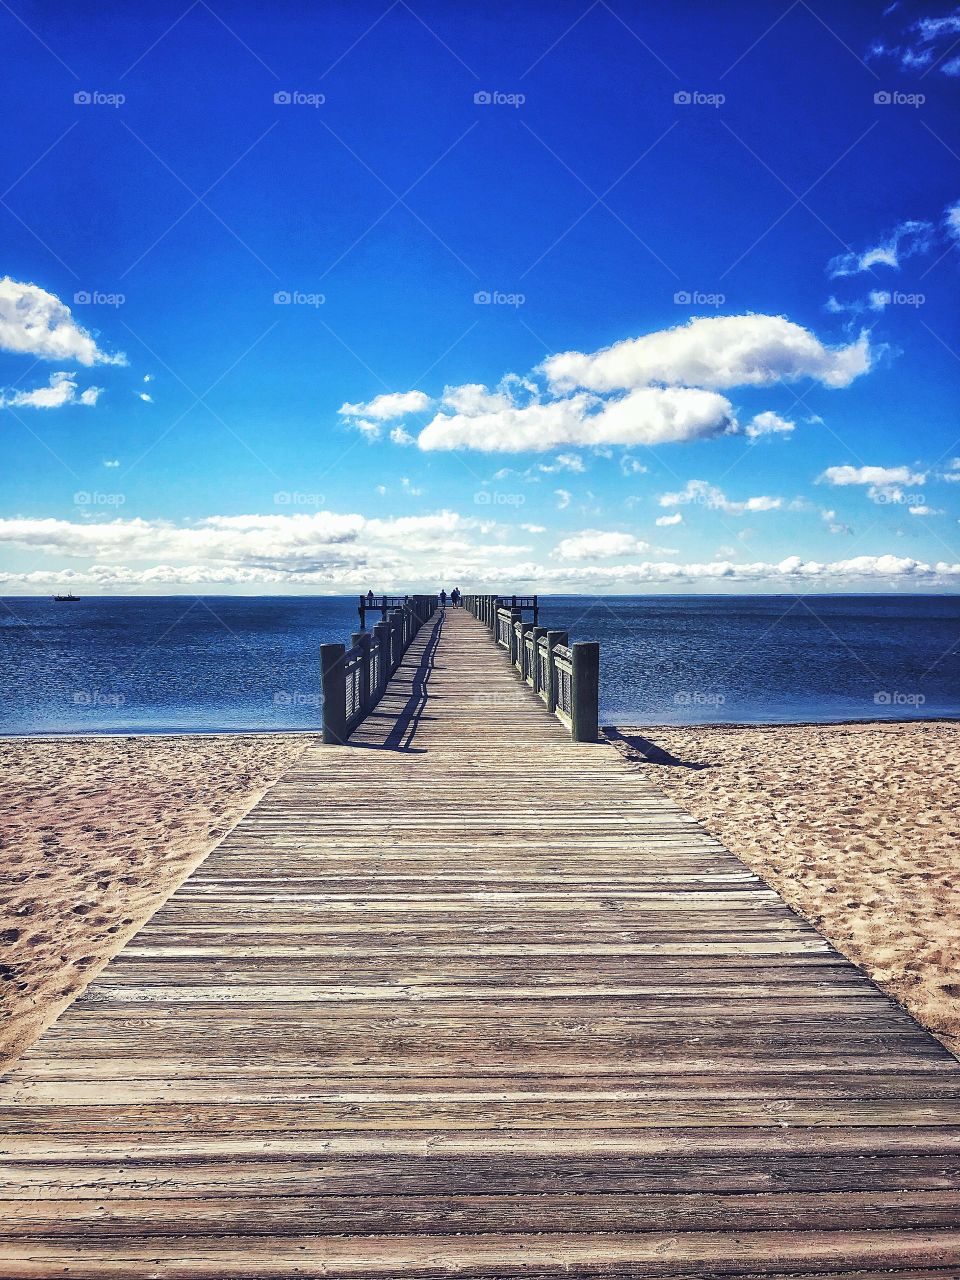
(465, 997)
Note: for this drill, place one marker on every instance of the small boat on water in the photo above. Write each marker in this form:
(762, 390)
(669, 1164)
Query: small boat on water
(68, 597)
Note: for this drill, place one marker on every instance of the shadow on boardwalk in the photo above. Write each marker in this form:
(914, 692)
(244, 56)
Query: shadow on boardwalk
(401, 726)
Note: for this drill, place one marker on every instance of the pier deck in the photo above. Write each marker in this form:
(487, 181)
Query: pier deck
(467, 996)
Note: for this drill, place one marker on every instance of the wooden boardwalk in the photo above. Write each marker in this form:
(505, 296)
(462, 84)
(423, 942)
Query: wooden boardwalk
(465, 996)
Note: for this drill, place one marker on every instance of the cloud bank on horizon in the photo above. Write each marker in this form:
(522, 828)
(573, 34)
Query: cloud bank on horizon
(332, 552)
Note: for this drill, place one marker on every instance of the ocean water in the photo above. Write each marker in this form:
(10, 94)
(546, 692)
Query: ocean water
(183, 664)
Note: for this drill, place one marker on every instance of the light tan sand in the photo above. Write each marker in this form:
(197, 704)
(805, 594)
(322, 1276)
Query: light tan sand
(856, 826)
(95, 833)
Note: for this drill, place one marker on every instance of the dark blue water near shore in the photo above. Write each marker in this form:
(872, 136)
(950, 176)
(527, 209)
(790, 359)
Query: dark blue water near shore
(238, 663)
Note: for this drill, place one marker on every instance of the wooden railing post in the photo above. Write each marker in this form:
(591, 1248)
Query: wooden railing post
(522, 648)
(585, 692)
(382, 632)
(362, 638)
(515, 617)
(396, 642)
(553, 638)
(333, 685)
(537, 633)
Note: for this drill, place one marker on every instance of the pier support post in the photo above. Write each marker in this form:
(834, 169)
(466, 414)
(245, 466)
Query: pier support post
(585, 692)
(553, 638)
(334, 693)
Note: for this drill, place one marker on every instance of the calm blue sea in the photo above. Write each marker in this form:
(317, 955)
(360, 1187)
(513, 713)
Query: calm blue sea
(176, 664)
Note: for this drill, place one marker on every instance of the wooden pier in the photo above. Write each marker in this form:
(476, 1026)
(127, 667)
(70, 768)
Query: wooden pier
(466, 996)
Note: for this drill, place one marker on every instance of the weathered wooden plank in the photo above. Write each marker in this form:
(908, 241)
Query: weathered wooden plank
(492, 1255)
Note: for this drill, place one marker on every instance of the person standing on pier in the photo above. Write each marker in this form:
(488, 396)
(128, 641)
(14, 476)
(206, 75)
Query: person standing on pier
(443, 598)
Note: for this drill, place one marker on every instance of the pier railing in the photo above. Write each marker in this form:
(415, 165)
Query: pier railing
(353, 680)
(565, 677)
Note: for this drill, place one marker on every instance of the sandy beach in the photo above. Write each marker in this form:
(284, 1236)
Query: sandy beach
(856, 826)
(95, 834)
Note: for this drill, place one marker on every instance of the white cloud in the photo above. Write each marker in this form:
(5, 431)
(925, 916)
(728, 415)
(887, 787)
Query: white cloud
(394, 404)
(649, 415)
(534, 528)
(951, 217)
(562, 462)
(767, 423)
(923, 510)
(870, 476)
(111, 462)
(369, 430)
(905, 240)
(713, 352)
(617, 396)
(665, 521)
(36, 323)
(260, 551)
(401, 436)
(923, 39)
(473, 398)
(407, 485)
(564, 497)
(631, 467)
(145, 397)
(709, 496)
(953, 474)
(61, 390)
(595, 544)
(324, 545)
(828, 516)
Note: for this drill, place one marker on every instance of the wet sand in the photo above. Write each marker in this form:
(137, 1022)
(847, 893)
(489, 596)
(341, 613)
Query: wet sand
(856, 826)
(95, 834)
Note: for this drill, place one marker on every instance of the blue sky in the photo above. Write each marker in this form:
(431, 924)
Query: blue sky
(579, 296)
